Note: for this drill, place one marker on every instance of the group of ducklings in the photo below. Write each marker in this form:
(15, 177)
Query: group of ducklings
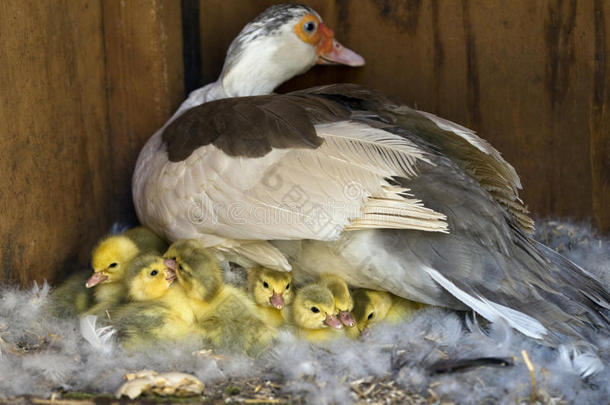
(150, 291)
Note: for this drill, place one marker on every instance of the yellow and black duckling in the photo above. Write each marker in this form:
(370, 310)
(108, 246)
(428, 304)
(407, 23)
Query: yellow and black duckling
(312, 314)
(372, 307)
(159, 308)
(344, 304)
(71, 298)
(226, 316)
(272, 291)
(110, 258)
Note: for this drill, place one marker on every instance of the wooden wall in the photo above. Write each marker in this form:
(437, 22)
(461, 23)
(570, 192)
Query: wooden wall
(84, 83)
(529, 76)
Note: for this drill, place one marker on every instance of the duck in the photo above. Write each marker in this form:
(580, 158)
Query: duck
(372, 307)
(283, 41)
(226, 317)
(271, 291)
(157, 310)
(389, 197)
(312, 314)
(342, 296)
(355, 182)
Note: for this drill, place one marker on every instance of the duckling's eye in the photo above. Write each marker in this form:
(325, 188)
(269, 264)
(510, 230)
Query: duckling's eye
(315, 310)
(113, 265)
(288, 286)
(265, 284)
(371, 315)
(180, 267)
(309, 27)
(154, 273)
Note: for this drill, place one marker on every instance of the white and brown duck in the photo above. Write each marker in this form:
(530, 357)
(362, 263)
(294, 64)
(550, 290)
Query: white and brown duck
(390, 198)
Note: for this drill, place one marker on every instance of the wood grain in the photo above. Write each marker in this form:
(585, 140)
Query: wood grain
(54, 135)
(84, 84)
(530, 77)
(143, 40)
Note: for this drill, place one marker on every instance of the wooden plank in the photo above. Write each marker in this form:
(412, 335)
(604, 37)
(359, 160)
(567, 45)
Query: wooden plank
(143, 40)
(521, 73)
(600, 117)
(54, 185)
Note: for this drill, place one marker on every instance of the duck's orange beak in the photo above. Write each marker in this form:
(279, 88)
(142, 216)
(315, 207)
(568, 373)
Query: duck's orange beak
(330, 51)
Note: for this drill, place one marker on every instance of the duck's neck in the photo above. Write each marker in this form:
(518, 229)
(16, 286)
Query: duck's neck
(261, 66)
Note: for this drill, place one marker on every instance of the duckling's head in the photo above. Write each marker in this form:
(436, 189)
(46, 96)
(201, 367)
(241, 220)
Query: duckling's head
(343, 298)
(197, 270)
(283, 41)
(110, 258)
(270, 288)
(314, 308)
(370, 307)
(148, 277)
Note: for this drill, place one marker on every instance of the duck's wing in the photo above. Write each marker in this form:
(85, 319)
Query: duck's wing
(463, 146)
(286, 167)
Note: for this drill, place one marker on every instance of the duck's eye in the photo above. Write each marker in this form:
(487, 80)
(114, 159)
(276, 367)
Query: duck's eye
(180, 267)
(113, 265)
(265, 284)
(154, 273)
(309, 27)
(288, 286)
(371, 315)
(315, 310)
(173, 258)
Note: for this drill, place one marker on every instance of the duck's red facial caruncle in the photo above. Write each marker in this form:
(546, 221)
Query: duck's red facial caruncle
(329, 51)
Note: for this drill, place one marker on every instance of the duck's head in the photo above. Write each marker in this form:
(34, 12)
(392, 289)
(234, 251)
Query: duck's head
(148, 278)
(196, 269)
(370, 307)
(314, 308)
(282, 42)
(110, 258)
(270, 288)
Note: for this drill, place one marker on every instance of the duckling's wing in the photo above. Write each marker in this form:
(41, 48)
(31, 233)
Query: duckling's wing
(471, 153)
(285, 167)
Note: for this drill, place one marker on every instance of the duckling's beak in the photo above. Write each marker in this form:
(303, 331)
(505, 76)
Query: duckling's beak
(333, 322)
(277, 301)
(347, 319)
(331, 52)
(95, 279)
(171, 264)
(170, 275)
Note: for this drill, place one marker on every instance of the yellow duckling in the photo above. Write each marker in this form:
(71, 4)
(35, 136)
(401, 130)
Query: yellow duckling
(271, 291)
(160, 308)
(226, 316)
(110, 258)
(372, 307)
(343, 299)
(312, 314)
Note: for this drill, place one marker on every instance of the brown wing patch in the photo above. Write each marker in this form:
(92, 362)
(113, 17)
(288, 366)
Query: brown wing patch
(251, 126)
